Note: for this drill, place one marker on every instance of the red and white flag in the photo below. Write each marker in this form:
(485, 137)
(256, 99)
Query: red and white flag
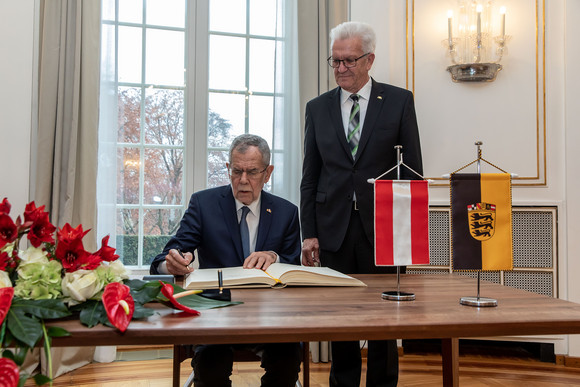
(401, 222)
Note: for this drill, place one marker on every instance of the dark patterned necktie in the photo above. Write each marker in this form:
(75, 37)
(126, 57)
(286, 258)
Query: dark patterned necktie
(245, 232)
(354, 125)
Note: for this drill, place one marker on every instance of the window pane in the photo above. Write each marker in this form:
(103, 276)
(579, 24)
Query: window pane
(227, 16)
(164, 117)
(128, 236)
(219, 131)
(261, 117)
(217, 174)
(169, 13)
(108, 10)
(129, 115)
(163, 176)
(159, 225)
(263, 17)
(262, 65)
(230, 107)
(130, 11)
(128, 175)
(227, 63)
(129, 54)
(165, 63)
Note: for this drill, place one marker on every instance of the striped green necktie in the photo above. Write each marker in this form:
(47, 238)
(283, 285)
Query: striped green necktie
(354, 125)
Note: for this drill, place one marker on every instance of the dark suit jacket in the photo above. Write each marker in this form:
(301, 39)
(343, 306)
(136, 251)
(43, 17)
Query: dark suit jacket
(210, 225)
(330, 176)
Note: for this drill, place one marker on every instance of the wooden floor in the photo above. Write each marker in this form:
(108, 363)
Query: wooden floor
(415, 370)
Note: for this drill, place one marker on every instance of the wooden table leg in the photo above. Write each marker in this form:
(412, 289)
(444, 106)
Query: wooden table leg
(450, 356)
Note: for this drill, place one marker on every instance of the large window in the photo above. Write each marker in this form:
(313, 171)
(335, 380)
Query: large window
(158, 127)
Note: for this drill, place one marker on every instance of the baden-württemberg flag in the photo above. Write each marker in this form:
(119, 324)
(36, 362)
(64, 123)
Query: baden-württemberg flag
(401, 222)
(481, 221)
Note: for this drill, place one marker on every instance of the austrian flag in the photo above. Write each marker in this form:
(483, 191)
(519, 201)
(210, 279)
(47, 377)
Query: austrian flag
(401, 222)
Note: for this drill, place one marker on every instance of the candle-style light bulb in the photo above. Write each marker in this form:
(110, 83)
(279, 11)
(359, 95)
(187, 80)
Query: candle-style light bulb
(502, 13)
(449, 20)
(479, 9)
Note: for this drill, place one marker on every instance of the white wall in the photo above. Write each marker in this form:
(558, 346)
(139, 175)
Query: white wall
(16, 69)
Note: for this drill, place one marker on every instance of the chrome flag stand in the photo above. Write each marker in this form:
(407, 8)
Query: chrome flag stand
(478, 301)
(397, 295)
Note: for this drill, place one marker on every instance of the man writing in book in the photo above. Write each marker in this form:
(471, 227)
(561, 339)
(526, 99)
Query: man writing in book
(238, 225)
(350, 135)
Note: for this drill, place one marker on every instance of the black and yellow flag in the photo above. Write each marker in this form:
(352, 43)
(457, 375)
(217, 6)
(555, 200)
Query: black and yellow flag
(481, 221)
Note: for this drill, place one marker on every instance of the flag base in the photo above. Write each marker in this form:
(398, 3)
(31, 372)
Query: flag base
(478, 301)
(398, 296)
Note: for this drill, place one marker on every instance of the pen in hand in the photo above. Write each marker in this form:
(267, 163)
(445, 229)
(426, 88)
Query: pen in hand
(220, 281)
(182, 256)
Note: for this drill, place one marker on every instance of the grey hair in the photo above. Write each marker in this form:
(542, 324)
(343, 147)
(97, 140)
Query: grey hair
(243, 141)
(349, 30)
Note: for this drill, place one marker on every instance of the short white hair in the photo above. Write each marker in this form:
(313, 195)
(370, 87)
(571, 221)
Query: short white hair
(349, 30)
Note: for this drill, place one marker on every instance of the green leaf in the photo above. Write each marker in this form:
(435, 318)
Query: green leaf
(57, 332)
(92, 313)
(198, 302)
(44, 309)
(142, 312)
(41, 380)
(143, 292)
(26, 329)
(20, 355)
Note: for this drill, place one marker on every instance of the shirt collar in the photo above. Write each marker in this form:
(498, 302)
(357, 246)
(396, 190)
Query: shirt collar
(253, 206)
(364, 92)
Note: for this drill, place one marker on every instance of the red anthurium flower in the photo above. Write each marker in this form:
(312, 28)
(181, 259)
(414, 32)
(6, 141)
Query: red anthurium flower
(6, 295)
(167, 291)
(9, 373)
(41, 230)
(8, 230)
(5, 206)
(119, 305)
(106, 252)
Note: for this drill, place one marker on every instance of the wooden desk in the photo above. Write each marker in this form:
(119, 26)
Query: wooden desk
(327, 314)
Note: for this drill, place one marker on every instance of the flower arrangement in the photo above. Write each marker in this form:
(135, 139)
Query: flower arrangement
(56, 278)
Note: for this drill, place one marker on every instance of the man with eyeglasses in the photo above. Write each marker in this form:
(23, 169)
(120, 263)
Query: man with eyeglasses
(238, 225)
(350, 135)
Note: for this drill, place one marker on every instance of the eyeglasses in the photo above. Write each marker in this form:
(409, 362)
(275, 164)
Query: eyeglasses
(251, 173)
(348, 63)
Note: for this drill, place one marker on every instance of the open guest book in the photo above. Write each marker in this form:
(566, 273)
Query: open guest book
(277, 275)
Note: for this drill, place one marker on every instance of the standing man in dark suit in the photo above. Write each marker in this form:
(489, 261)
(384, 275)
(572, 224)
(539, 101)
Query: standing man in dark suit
(350, 135)
(238, 225)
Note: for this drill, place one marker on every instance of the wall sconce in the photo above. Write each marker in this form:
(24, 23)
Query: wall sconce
(471, 48)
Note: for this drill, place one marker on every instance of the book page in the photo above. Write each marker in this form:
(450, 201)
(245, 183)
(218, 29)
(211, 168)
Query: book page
(308, 275)
(232, 276)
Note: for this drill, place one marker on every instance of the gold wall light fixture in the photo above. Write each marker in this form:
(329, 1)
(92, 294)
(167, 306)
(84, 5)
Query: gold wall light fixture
(473, 33)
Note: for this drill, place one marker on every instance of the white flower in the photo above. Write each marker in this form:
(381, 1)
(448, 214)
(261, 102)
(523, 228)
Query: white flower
(81, 285)
(118, 271)
(5, 280)
(33, 255)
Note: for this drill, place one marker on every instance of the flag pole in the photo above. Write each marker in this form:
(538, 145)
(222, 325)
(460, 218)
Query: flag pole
(478, 301)
(398, 295)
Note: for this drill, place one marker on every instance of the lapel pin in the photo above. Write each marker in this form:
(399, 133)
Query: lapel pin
(268, 210)
(379, 97)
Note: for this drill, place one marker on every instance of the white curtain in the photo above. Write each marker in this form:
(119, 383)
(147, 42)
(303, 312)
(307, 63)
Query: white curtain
(287, 132)
(66, 147)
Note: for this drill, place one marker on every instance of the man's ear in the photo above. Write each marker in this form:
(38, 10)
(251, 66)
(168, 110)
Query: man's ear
(268, 172)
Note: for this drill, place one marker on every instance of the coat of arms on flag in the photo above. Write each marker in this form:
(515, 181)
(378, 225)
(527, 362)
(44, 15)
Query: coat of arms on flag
(401, 222)
(481, 222)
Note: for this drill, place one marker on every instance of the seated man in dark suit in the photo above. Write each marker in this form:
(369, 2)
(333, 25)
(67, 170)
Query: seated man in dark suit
(238, 225)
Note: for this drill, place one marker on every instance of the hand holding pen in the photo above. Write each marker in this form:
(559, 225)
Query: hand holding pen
(178, 262)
